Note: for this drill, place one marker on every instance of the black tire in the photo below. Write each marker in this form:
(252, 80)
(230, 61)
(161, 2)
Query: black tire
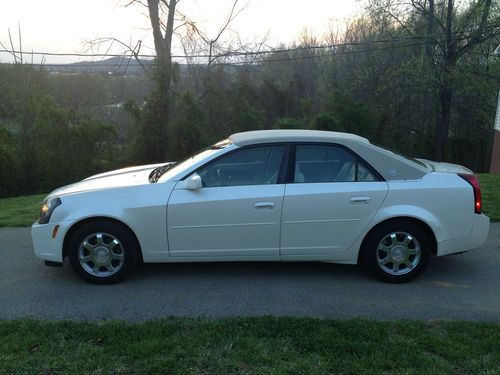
(389, 239)
(94, 233)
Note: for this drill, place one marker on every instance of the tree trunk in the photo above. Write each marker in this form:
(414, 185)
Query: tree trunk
(163, 43)
(445, 91)
(445, 96)
(430, 30)
(156, 123)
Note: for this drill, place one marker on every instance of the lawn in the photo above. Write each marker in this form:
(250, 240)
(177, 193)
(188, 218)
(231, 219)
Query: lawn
(264, 345)
(490, 191)
(20, 211)
(23, 211)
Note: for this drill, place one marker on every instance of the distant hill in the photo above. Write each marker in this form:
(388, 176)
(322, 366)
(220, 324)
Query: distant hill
(110, 66)
(122, 66)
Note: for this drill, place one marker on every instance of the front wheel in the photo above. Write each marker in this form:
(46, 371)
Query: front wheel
(102, 252)
(396, 252)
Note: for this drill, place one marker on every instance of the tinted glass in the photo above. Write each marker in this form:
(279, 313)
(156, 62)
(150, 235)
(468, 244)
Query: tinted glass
(253, 166)
(328, 164)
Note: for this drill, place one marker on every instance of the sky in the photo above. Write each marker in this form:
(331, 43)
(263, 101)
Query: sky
(67, 25)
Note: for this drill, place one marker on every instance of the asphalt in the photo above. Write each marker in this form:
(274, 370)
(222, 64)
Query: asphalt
(458, 287)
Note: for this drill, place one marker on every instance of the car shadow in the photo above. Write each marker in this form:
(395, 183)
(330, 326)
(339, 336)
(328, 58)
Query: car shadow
(261, 270)
(440, 269)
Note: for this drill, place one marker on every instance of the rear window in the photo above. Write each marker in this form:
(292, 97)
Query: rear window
(321, 163)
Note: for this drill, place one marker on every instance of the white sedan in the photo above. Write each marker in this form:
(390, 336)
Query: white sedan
(275, 195)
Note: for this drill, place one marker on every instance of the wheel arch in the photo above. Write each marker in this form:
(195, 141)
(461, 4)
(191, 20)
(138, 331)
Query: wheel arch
(422, 224)
(79, 224)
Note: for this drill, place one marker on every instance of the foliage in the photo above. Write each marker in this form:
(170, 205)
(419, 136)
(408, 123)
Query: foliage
(43, 144)
(249, 345)
(65, 146)
(289, 123)
(189, 129)
(451, 35)
(382, 78)
(9, 164)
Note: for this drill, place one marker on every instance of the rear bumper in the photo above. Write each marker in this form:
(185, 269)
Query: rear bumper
(46, 247)
(476, 238)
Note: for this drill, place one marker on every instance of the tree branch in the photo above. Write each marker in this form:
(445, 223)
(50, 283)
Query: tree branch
(128, 49)
(12, 46)
(426, 13)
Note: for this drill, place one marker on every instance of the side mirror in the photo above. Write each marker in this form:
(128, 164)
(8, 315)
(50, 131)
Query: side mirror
(193, 182)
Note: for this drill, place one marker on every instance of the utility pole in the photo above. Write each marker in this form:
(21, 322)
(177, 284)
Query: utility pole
(495, 152)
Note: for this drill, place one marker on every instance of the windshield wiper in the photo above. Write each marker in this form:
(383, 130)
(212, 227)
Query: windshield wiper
(156, 173)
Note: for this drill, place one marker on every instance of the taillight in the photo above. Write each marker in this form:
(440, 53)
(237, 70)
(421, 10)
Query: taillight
(471, 179)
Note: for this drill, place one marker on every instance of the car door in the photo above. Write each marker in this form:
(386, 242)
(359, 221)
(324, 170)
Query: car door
(331, 198)
(237, 211)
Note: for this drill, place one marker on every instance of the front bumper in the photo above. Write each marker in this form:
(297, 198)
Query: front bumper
(46, 247)
(476, 238)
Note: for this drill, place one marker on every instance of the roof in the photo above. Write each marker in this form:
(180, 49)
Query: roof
(390, 165)
(288, 135)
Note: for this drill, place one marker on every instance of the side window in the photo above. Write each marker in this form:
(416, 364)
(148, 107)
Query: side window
(322, 163)
(253, 166)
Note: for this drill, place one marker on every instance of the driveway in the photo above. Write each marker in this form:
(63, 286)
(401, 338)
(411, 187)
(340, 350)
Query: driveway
(465, 286)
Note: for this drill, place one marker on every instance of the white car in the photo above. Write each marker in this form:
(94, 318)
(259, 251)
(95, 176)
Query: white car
(275, 195)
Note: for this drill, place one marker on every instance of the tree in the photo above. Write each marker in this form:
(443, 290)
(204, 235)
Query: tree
(155, 120)
(450, 33)
(152, 121)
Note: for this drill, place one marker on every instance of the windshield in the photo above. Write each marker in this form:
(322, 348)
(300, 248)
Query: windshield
(192, 160)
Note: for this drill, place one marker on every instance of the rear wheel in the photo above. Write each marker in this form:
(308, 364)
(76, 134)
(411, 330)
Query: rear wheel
(102, 252)
(396, 252)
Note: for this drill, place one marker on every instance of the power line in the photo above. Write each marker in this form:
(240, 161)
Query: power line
(332, 53)
(239, 54)
(335, 49)
(290, 58)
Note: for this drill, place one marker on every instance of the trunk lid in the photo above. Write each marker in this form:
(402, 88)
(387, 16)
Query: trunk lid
(443, 167)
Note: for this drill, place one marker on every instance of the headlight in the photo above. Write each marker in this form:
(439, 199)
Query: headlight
(48, 207)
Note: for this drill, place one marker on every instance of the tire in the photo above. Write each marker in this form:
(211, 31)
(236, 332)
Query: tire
(396, 252)
(102, 252)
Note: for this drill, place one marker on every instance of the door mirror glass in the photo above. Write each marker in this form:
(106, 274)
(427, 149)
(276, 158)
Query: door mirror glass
(193, 182)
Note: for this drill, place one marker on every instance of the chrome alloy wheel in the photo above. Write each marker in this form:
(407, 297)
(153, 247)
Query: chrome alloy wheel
(398, 253)
(101, 254)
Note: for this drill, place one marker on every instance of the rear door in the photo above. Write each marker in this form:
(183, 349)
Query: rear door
(332, 197)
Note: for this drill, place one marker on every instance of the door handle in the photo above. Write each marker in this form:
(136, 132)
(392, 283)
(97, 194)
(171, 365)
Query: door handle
(360, 200)
(263, 205)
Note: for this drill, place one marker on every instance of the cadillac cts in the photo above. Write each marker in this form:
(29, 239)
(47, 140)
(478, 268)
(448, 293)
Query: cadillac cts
(276, 195)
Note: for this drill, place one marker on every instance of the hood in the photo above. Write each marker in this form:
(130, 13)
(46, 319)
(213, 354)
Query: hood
(131, 176)
(127, 170)
(443, 167)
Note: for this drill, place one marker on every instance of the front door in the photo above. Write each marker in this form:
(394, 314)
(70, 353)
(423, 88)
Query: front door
(236, 213)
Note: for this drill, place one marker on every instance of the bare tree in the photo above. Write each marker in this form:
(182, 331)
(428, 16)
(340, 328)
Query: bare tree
(167, 23)
(18, 59)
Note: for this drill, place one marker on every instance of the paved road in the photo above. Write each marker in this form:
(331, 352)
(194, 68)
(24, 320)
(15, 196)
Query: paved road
(465, 286)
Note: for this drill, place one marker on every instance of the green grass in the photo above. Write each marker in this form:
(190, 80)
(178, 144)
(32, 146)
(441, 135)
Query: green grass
(20, 211)
(490, 191)
(264, 345)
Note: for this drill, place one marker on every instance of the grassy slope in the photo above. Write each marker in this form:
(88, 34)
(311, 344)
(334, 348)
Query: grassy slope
(20, 211)
(23, 211)
(490, 190)
(250, 345)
